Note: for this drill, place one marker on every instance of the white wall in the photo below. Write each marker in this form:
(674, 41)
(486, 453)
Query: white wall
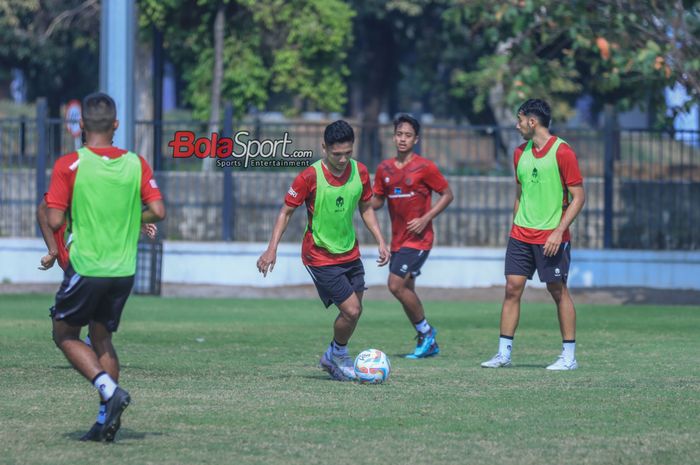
(234, 264)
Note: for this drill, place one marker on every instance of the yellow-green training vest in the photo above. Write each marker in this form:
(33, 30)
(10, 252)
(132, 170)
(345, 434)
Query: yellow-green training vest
(106, 215)
(331, 224)
(542, 192)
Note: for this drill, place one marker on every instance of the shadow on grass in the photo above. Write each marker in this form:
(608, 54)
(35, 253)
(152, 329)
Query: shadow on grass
(123, 434)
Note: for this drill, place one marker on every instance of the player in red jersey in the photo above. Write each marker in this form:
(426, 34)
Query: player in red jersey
(332, 189)
(408, 181)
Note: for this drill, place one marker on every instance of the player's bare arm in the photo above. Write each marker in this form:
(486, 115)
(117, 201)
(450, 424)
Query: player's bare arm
(42, 218)
(154, 212)
(417, 225)
(578, 198)
(266, 262)
(377, 201)
(370, 220)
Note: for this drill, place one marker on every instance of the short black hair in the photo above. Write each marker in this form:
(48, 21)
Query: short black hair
(404, 118)
(537, 108)
(99, 113)
(338, 132)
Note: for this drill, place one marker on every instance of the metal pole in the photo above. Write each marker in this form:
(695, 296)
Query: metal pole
(42, 146)
(610, 127)
(227, 206)
(157, 99)
(117, 35)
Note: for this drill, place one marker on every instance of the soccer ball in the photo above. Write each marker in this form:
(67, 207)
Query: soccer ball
(372, 366)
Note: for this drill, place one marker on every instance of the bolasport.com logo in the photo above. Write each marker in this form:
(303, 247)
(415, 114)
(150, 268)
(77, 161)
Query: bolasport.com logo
(240, 151)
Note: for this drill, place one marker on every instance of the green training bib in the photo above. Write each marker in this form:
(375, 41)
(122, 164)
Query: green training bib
(332, 227)
(106, 214)
(542, 192)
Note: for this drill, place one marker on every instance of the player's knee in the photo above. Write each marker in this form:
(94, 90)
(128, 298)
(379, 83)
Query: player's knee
(556, 290)
(513, 291)
(353, 312)
(396, 287)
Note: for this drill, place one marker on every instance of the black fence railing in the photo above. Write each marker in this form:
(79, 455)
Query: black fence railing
(641, 186)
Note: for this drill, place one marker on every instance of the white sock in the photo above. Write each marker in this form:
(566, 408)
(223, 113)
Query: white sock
(505, 346)
(422, 326)
(568, 350)
(336, 349)
(102, 413)
(105, 384)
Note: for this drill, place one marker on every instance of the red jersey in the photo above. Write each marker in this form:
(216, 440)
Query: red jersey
(303, 190)
(60, 192)
(409, 192)
(570, 175)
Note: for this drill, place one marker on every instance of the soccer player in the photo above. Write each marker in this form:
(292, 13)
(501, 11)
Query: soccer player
(104, 187)
(549, 197)
(332, 189)
(408, 181)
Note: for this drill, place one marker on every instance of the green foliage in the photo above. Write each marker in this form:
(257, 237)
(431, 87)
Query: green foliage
(293, 51)
(55, 43)
(620, 52)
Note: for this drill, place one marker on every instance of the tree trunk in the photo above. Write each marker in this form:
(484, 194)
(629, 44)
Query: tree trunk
(143, 100)
(217, 78)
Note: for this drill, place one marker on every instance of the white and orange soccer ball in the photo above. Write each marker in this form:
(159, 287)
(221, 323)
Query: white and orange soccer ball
(372, 366)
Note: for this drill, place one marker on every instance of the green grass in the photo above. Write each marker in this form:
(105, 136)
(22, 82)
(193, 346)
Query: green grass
(250, 392)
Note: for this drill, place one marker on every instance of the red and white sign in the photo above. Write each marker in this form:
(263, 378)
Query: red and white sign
(73, 114)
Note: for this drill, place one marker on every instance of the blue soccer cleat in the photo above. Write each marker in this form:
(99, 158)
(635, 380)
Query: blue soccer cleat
(426, 346)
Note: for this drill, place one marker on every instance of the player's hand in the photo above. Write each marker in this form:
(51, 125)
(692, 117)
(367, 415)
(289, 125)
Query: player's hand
(150, 230)
(47, 262)
(417, 225)
(266, 262)
(551, 247)
(384, 255)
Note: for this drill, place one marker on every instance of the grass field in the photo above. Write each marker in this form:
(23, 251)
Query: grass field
(235, 381)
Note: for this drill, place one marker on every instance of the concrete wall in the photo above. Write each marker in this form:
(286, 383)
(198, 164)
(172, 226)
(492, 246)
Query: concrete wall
(451, 267)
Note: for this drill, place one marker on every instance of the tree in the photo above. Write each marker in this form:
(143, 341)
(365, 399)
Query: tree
(55, 43)
(620, 51)
(293, 51)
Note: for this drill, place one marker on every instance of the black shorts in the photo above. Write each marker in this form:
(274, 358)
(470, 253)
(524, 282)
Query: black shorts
(522, 259)
(335, 283)
(408, 261)
(82, 299)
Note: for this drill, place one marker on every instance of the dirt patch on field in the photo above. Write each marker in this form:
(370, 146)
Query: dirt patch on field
(610, 296)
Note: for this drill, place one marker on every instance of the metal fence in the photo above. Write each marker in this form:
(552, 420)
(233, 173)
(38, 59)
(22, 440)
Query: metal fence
(641, 186)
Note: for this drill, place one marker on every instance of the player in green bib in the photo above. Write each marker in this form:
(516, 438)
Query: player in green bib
(105, 188)
(332, 189)
(549, 197)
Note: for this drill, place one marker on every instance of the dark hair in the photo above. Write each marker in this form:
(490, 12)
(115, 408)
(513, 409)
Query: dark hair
(404, 118)
(99, 113)
(338, 132)
(537, 108)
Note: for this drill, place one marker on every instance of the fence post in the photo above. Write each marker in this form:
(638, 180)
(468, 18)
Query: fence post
(42, 145)
(157, 99)
(610, 133)
(227, 206)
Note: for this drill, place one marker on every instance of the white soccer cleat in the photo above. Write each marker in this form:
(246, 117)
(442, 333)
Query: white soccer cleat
(497, 361)
(340, 368)
(563, 364)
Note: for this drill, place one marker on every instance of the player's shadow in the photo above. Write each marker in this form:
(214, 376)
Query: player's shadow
(123, 434)
(525, 365)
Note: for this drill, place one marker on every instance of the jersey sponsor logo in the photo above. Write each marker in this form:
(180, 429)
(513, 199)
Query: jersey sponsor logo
(292, 192)
(397, 190)
(153, 183)
(533, 176)
(339, 202)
